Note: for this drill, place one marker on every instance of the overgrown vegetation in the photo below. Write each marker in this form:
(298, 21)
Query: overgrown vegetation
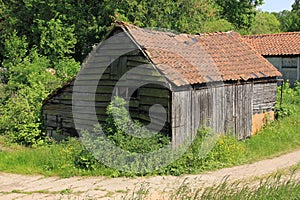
(26, 81)
(70, 157)
(118, 122)
(42, 44)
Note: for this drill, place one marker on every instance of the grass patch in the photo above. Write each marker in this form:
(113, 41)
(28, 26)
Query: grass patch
(63, 192)
(70, 158)
(274, 187)
(52, 160)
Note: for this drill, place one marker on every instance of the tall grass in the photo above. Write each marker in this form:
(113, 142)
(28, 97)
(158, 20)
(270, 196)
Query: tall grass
(274, 187)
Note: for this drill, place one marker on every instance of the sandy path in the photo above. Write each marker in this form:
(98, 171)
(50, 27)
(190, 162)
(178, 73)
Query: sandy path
(14, 186)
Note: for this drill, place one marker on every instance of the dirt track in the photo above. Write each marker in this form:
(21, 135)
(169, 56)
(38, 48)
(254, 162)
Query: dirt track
(38, 187)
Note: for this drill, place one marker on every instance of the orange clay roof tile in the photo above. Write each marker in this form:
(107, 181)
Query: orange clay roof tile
(202, 58)
(275, 44)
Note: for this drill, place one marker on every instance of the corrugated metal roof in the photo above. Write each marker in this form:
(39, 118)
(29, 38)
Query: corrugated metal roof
(195, 59)
(275, 44)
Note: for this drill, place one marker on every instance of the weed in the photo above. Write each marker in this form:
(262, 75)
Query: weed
(139, 193)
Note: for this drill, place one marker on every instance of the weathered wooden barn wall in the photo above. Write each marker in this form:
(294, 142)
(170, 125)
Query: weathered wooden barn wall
(289, 66)
(225, 109)
(264, 97)
(57, 111)
(264, 100)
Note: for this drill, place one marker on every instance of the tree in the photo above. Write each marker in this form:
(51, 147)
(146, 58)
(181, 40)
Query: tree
(290, 20)
(57, 40)
(180, 15)
(240, 13)
(296, 6)
(296, 16)
(265, 23)
(90, 20)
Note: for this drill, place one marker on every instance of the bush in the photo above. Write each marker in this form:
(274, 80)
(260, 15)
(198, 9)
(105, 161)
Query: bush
(290, 100)
(26, 83)
(21, 114)
(226, 151)
(118, 124)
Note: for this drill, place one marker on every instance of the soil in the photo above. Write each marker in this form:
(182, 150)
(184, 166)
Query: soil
(13, 186)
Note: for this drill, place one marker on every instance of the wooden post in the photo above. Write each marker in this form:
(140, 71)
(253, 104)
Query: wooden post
(298, 68)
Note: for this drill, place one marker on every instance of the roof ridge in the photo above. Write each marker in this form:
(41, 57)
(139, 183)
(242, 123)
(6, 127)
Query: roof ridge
(273, 34)
(129, 26)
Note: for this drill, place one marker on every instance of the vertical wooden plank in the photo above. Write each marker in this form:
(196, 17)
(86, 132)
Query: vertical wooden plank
(181, 118)
(196, 112)
(221, 110)
(250, 109)
(229, 124)
(243, 111)
(214, 109)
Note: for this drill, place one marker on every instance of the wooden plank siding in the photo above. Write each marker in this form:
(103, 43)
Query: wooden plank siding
(57, 111)
(264, 97)
(226, 109)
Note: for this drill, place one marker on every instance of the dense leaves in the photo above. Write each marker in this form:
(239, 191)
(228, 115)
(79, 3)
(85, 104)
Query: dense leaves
(26, 82)
(265, 23)
(241, 13)
(290, 20)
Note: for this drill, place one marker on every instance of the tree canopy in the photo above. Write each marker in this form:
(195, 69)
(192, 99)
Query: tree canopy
(290, 20)
(81, 24)
(265, 23)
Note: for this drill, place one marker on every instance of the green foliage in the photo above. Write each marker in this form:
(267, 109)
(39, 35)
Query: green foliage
(290, 100)
(57, 40)
(240, 13)
(70, 27)
(15, 49)
(225, 152)
(85, 160)
(217, 25)
(118, 124)
(181, 16)
(290, 20)
(20, 114)
(27, 82)
(265, 23)
(66, 68)
(44, 22)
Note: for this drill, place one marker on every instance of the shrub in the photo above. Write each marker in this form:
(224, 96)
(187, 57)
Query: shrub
(118, 124)
(290, 100)
(26, 83)
(21, 113)
(225, 152)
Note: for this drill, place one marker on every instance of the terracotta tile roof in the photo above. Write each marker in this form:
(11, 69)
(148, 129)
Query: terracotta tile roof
(191, 59)
(276, 44)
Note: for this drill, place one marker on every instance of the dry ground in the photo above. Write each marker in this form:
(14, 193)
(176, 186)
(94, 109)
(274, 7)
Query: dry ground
(14, 186)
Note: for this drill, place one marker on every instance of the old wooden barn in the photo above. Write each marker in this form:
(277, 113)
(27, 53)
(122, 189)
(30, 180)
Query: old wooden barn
(282, 50)
(215, 80)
